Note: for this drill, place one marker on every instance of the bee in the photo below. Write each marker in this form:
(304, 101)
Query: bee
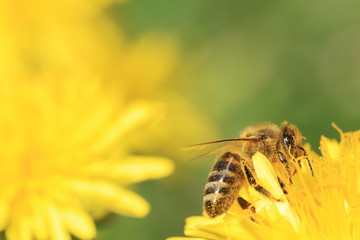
(234, 169)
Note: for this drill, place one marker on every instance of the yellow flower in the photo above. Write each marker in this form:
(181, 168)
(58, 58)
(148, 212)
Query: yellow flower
(54, 36)
(68, 110)
(63, 154)
(326, 206)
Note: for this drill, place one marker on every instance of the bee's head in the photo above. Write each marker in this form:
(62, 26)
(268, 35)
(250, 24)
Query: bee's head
(291, 137)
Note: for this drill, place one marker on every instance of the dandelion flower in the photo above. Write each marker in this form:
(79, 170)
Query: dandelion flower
(63, 151)
(323, 206)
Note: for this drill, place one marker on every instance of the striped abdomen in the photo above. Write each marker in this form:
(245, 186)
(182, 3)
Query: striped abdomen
(223, 184)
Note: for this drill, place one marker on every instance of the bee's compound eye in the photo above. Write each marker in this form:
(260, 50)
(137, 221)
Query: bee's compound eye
(288, 140)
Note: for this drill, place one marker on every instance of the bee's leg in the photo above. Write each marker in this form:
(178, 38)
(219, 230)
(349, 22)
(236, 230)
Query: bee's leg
(246, 206)
(299, 163)
(251, 180)
(285, 162)
(282, 185)
(308, 161)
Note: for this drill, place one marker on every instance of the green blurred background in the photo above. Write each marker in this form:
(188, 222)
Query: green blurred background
(243, 62)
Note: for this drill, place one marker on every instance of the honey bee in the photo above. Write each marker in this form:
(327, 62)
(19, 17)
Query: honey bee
(234, 169)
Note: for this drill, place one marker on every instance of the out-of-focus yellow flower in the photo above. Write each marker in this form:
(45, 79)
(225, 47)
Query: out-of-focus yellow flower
(53, 37)
(69, 105)
(64, 154)
(326, 206)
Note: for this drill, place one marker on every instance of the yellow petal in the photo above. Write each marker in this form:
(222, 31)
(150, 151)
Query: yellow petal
(330, 148)
(267, 178)
(79, 223)
(4, 214)
(196, 226)
(112, 197)
(38, 220)
(25, 229)
(135, 115)
(266, 175)
(56, 225)
(139, 168)
(20, 230)
(216, 228)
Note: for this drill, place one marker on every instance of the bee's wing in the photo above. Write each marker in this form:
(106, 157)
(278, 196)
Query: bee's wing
(204, 145)
(236, 141)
